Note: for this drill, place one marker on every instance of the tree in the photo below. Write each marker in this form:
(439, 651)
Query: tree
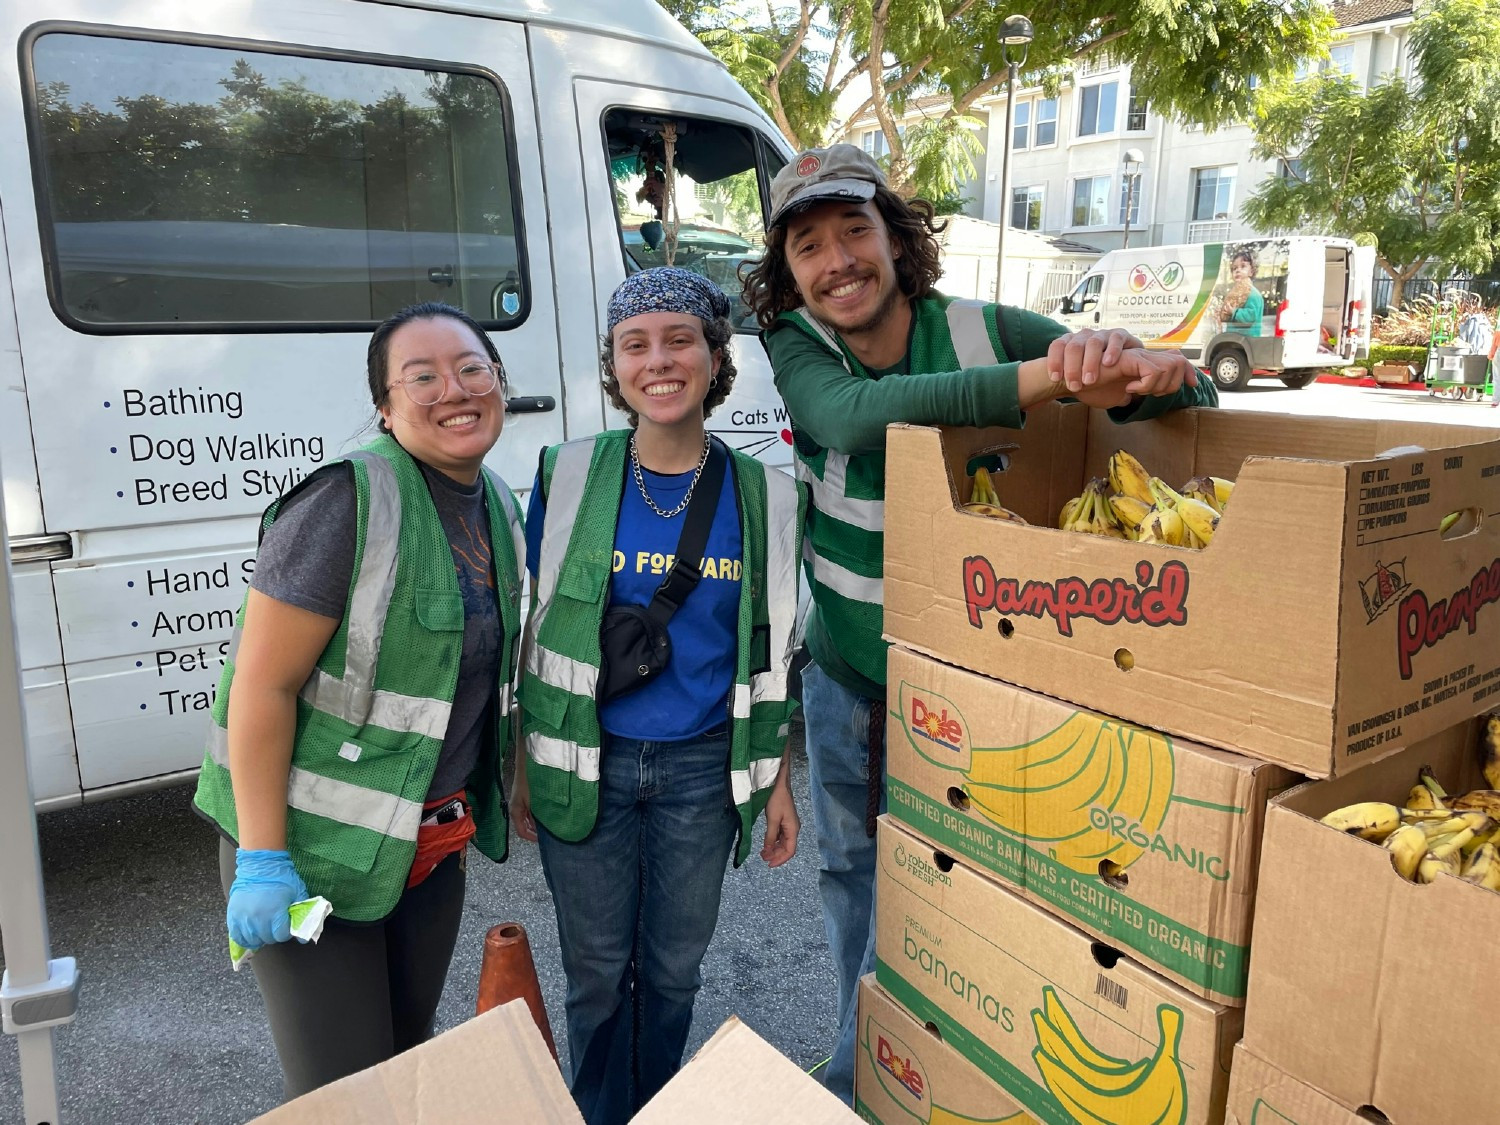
(1194, 59)
(1415, 166)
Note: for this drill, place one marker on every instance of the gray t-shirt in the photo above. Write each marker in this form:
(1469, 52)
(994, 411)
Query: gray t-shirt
(307, 560)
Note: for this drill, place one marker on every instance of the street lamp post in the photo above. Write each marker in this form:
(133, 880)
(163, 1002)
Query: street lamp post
(1132, 162)
(1015, 32)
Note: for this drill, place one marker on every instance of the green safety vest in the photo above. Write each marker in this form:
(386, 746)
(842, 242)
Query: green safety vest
(846, 526)
(582, 481)
(372, 717)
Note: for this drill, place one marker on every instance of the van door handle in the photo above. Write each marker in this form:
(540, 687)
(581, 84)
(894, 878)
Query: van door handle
(530, 404)
(1096, 316)
(440, 275)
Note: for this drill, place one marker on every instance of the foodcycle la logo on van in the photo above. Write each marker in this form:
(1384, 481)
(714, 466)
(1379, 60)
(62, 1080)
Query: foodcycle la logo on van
(1143, 277)
(934, 727)
(899, 1070)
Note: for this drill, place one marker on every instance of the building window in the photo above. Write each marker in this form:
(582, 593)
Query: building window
(1091, 201)
(1135, 113)
(1096, 112)
(1130, 196)
(1026, 207)
(1290, 170)
(1341, 58)
(1046, 122)
(1213, 193)
(191, 187)
(1021, 135)
(873, 143)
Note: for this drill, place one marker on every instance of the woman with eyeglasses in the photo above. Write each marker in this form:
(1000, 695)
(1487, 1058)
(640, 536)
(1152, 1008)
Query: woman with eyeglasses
(363, 715)
(654, 699)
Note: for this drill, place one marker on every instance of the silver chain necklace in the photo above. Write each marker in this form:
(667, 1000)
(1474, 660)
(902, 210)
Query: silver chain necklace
(640, 481)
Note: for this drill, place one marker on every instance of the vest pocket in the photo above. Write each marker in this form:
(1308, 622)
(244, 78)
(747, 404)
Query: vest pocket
(440, 611)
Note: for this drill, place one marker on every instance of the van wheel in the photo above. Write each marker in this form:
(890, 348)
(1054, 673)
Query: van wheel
(1296, 380)
(1231, 370)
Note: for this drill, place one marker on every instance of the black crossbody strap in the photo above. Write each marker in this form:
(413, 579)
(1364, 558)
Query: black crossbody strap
(687, 566)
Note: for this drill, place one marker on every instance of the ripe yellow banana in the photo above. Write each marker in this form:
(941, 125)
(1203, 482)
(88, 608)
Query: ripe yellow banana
(1370, 820)
(1163, 525)
(1200, 518)
(1491, 739)
(1432, 866)
(1445, 847)
(1202, 488)
(1163, 494)
(1483, 867)
(1222, 489)
(1069, 510)
(1129, 511)
(1486, 801)
(1407, 845)
(993, 511)
(1421, 799)
(1128, 477)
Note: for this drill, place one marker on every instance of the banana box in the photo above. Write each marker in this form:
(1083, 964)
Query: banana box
(1144, 840)
(1356, 972)
(1262, 1094)
(904, 1073)
(1070, 1028)
(1320, 628)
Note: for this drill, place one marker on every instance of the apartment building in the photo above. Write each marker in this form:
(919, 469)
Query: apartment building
(1069, 173)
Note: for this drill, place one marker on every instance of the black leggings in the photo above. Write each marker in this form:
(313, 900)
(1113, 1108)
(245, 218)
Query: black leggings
(363, 992)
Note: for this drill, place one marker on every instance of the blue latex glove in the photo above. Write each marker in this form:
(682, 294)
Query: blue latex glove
(265, 884)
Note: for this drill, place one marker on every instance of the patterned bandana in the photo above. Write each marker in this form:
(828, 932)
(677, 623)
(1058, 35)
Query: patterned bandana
(667, 289)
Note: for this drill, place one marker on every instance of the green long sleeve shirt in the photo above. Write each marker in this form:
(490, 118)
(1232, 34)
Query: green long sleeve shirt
(832, 407)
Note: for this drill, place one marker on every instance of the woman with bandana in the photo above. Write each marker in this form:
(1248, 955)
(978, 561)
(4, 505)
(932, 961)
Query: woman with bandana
(638, 795)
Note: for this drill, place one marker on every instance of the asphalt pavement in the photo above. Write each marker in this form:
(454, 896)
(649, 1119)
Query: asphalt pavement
(167, 1033)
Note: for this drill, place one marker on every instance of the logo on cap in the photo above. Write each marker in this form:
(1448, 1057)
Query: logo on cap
(808, 165)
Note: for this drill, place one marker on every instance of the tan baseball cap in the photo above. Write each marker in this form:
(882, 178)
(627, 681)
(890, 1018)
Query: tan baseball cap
(819, 174)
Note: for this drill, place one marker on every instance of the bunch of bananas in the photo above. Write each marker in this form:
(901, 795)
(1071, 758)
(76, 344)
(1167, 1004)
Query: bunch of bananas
(1093, 1087)
(1133, 504)
(1435, 832)
(985, 501)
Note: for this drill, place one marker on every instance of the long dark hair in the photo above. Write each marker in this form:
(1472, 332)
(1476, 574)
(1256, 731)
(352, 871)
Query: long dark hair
(377, 357)
(771, 289)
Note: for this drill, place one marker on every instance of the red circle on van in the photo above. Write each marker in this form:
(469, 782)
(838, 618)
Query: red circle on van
(808, 165)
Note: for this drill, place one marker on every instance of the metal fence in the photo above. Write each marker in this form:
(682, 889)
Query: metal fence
(1488, 288)
(1046, 287)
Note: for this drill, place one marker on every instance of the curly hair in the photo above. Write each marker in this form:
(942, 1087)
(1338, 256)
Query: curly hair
(717, 333)
(771, 289)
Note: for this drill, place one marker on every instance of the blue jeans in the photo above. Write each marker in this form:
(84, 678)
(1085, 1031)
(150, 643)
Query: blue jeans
(637, 902)
(838, 766)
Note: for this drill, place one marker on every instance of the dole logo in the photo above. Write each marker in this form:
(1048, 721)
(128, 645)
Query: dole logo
(899, 1070)
(934, 727)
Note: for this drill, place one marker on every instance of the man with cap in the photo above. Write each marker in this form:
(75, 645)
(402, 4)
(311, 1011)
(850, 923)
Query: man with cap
(859, 338)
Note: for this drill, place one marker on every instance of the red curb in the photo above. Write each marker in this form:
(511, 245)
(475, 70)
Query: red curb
(1368, 381)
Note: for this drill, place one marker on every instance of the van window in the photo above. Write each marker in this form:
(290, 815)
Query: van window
(707, 214)
(197, 188)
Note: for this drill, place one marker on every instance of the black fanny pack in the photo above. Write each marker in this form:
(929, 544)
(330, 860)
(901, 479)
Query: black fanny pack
(633, 644)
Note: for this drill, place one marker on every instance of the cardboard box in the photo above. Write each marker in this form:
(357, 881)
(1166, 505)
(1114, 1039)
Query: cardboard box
(1148, 842)
(1356, 973)
(437, 1081)
(1395, 373)
(1310, 632)
(1069, 1027)
(905, 1072)
(737, 1078)
(1262, 1094)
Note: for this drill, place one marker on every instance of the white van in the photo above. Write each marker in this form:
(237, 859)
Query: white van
(1286, 306)
(207, 208)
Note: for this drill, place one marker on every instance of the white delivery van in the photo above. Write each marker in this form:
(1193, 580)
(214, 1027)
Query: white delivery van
(1286, 306)
(208, 206)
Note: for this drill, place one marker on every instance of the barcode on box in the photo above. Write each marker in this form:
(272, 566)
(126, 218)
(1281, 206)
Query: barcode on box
(1113, 991)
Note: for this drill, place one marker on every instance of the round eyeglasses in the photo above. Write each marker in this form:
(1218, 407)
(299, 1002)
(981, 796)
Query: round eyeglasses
(426, 388)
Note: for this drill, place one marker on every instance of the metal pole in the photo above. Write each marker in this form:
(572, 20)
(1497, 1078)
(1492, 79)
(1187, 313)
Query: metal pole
(1129, 202)
(37, 993)
(1010, 127)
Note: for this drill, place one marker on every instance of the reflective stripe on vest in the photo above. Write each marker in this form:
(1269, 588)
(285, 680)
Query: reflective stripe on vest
(553, 668)
(855, 587)
(561, 754)
(970, 332)
(386, 813)
(518, 541)
(761, 774)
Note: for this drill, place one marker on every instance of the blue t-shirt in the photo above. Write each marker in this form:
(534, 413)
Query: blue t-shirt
(691, 696)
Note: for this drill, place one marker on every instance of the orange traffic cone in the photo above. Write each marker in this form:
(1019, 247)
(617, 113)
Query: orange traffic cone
(508, 973)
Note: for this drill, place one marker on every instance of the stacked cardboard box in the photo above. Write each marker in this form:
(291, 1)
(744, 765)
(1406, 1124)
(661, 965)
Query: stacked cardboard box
(1301, 637)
